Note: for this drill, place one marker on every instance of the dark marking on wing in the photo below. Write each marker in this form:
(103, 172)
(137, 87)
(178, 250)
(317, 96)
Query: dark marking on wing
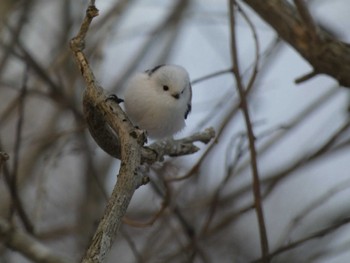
(189, 107)
(151, 71)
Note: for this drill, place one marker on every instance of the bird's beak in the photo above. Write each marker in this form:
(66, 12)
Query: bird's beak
(176, 95)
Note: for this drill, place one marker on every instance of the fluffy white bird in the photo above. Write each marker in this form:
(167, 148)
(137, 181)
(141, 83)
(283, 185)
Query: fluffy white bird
(159, 100)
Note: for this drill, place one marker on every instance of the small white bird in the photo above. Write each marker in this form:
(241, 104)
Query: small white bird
(159, 100)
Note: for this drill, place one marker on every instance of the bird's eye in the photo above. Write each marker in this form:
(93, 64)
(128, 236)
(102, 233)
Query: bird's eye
(165, 87)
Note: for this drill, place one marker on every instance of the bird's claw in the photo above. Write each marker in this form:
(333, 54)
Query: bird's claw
(114, 98)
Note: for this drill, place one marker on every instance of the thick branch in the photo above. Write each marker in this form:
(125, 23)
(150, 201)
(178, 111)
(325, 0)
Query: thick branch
(114, 133)
(325, 54)
(128, 179)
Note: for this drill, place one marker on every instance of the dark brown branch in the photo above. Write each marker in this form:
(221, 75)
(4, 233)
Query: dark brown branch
(305, 77)
(307, 18)
(17, 203)
(325, 54)
(251, 137)
(319, 234)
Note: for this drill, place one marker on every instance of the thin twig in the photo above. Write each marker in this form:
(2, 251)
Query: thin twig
(305, 77)
(251, 138)
(319, 234)
(165, 203)
(18, 205)
(312, 206)
(18, 132)
(218, 191)
(211, 75)
(229, 115)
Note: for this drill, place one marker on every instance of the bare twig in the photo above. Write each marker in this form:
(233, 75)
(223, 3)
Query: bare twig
(211, 75)
(165, 195)
(319, 234)
(309, 208)
(14, 177)
(15, 36)
(305, 77)
(11, 177)
(272, 181)
(231, 113)
(218, 191)
(251, 137)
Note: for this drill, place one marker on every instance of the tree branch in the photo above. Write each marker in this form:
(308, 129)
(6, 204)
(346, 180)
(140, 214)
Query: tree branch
(325, 54)
(251, 137)
(113, 131)
(318, 234)
(128, 179)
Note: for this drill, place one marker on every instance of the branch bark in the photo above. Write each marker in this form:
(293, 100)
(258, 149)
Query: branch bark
(128, 178)
(112, 130)
(325, 54)
(251, 137)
